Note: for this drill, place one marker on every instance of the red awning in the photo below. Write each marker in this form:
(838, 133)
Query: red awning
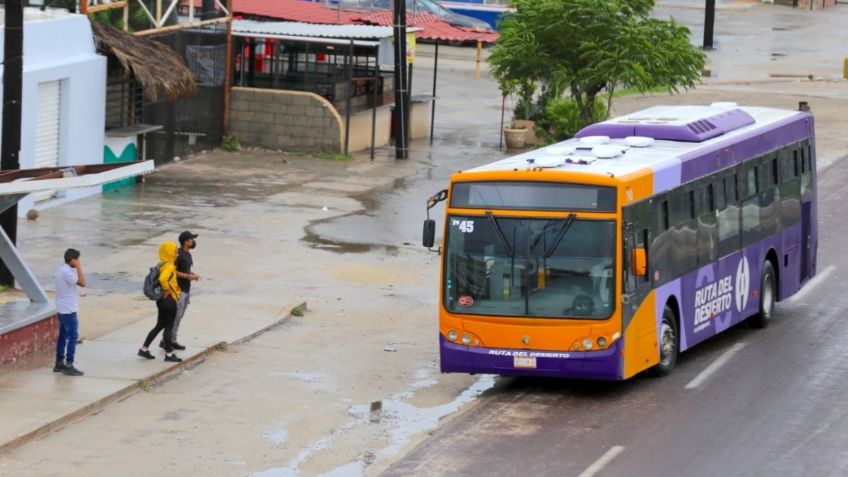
(294, 10)
(432, 27)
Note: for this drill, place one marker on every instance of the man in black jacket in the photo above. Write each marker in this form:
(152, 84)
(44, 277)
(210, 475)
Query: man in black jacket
(184, 279)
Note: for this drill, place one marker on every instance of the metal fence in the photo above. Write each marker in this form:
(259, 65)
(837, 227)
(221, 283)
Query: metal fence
(193, 123)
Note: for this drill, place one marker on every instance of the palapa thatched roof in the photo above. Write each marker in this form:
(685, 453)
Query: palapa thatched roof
(159, 70)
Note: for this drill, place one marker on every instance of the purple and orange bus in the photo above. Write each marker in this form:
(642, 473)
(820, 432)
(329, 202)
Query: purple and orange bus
(608, 254)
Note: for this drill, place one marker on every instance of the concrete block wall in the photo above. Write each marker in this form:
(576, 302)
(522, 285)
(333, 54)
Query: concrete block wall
(286, 120)
(806, 4)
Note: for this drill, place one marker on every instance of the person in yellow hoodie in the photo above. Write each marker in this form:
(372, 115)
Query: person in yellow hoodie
(167, 305)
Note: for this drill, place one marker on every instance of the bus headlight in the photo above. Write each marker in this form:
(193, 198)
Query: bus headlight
(452, 335)
(602, 342)
(466, 339)
(587, 343)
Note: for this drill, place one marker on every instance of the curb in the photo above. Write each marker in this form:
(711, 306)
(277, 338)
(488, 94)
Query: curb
(161, 376)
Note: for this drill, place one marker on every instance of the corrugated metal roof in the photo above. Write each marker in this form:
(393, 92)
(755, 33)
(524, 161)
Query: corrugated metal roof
(294, 10)
(257, 28)
(431, 26)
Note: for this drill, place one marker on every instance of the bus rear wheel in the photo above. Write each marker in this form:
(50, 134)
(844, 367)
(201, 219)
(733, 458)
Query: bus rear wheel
(669, 344)
(768, 292)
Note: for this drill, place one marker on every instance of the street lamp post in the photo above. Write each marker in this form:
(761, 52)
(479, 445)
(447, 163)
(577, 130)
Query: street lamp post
(709, 22)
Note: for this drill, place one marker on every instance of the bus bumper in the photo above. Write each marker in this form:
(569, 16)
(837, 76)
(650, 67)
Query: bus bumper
(603, 365)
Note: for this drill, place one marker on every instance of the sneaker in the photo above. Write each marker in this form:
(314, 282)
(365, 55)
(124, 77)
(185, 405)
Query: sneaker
(178, 346)
(145, 354)
(60, 367)
(70, 370)
(173, 358)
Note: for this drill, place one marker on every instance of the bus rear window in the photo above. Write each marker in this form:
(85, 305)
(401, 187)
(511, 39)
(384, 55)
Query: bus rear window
(532, 196)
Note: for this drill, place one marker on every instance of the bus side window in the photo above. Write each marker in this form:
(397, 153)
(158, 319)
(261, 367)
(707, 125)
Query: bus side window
(718, 194)
(751, 183)
(690, 203)
(806, 163)
(710, 199)
(775, 174)
(788, 157)
(796, 163)
(730, 188)
(664, 220)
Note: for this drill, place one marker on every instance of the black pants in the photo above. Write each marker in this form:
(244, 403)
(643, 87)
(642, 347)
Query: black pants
(164, 321)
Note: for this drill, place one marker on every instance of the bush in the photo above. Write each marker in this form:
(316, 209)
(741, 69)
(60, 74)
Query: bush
(562, 118)
(230, 143)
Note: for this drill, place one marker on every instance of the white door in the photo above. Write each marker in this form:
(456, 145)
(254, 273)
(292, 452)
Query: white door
(47, 130)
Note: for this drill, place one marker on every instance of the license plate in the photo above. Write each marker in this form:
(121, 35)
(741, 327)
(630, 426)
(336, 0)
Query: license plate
(524, 362)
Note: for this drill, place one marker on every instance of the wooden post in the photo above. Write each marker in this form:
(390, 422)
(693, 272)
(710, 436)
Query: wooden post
(348, 92)
(479, 56)
(228, 78)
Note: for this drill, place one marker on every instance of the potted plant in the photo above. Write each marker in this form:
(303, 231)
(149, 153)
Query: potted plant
(515, 135)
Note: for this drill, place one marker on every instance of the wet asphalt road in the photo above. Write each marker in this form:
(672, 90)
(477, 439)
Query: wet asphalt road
(776, 407)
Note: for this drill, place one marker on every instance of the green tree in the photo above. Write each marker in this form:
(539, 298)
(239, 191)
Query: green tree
(589, 47)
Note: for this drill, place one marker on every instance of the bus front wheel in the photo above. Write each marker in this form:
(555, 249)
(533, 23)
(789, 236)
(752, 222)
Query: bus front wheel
(768, 291)
(669, 344)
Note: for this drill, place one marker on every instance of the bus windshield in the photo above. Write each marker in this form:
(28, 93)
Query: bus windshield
(553, 268)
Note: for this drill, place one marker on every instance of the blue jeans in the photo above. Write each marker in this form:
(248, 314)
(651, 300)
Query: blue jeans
(68, 334)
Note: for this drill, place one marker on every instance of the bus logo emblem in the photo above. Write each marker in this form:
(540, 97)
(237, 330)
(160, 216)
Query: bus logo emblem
(743, 283)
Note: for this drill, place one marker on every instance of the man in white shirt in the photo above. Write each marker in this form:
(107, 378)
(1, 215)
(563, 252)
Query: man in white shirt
(68, 277)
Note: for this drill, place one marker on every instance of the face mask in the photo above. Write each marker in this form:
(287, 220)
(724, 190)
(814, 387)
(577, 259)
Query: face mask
(193, 244)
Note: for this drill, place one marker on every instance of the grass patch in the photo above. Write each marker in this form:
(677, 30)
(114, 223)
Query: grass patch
(334, 156)
(144, 385)
(222, 346)
(297, 311)
(230, 144)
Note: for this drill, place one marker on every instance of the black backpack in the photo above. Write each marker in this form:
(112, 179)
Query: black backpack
(152, 289)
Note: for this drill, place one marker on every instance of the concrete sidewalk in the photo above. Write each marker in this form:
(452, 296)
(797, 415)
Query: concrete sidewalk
(36, 402)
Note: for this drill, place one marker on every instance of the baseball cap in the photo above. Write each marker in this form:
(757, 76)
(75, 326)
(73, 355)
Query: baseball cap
(187, 235)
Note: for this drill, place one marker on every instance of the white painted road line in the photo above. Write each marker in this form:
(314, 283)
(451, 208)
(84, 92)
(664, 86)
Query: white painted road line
(711, 369)
(814, 282)
(602, 462)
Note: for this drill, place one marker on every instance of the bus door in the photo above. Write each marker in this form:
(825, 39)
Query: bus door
(637, 236)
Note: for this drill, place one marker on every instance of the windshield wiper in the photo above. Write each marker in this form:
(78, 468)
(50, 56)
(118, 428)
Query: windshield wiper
(499, 233)
(565, 226)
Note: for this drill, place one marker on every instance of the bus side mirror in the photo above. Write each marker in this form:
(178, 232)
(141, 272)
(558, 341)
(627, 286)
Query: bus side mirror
(429, 233)
(640, 262)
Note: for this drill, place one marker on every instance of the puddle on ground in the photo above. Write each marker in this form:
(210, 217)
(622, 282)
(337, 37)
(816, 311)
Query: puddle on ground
(399, 420)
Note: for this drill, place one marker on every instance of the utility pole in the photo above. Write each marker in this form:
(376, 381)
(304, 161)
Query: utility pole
(401, 82)
(709, 22)
(13, 69)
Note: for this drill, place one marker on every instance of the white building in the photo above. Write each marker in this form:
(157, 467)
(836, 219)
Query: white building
(64, 95)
